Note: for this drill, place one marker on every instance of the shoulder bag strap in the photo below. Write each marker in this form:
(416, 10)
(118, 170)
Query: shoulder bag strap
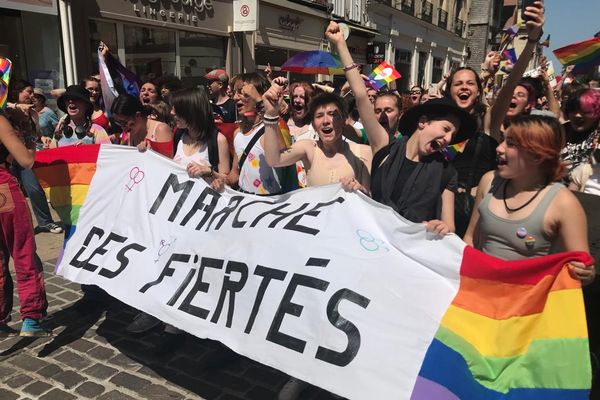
(249, 147)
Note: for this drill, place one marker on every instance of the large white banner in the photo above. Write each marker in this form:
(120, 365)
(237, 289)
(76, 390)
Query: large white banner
(328, 286)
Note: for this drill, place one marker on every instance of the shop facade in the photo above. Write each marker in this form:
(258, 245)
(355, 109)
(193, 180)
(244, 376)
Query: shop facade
(31, 40)
(421, 51)
(153, 38)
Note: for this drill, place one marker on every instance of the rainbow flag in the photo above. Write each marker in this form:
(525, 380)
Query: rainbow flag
(453, 150)
(584, 55)
(5, 69)
(382, 75)
(65, 174)
(515, 330)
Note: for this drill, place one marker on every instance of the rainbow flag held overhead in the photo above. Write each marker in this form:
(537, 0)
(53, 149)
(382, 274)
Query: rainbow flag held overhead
(508, 334)
(585, 55)
(5, 69)
(382, 75)
(65, 174)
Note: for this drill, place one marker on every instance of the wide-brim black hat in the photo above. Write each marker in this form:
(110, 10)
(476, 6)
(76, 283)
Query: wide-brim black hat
(409, 121)
(73, 92)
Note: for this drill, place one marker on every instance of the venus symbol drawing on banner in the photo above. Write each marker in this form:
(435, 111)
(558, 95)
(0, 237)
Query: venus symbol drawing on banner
(136, 175)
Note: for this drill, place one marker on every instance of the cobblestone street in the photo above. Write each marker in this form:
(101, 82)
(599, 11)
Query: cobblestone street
(92, 357)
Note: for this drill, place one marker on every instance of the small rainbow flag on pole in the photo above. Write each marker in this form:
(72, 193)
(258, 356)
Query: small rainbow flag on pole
(383, 74)
(584, 55)
(5, 68)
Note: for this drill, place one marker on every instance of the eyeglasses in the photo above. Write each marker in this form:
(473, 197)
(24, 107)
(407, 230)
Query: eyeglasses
(415, 92)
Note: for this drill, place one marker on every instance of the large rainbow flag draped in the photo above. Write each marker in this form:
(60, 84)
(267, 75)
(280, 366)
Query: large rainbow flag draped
(508, 332)
(65, 175)
(585, 55)
(492, 330)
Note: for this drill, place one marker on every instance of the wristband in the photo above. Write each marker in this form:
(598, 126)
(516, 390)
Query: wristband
(270, 122)
(350, 67)
(271, 118)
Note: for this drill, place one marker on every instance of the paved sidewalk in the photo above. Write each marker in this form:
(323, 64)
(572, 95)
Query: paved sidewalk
(92, 357)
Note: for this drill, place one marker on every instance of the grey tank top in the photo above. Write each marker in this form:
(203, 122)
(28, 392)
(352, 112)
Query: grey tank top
(518, 239)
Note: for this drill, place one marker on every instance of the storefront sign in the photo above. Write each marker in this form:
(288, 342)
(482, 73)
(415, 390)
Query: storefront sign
(375, 53)
(185, 11)
(289, 23)
(245, 15)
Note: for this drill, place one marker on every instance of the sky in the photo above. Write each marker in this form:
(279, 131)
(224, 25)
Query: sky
(569, 21)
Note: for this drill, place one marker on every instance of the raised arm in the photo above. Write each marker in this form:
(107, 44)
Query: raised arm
(500, 107)
(378, 136)
(274, 156)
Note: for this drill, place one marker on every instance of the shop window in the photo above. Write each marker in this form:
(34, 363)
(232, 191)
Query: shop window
(105, 32)
(421, 69)
(438, 70)
(403, 59)
(199, 53)
(150, 52)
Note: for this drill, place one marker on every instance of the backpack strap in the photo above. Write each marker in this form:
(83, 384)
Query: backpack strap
(213, 151)
(249, 147)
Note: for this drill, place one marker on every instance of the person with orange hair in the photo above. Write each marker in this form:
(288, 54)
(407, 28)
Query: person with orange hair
(299, 124)
(521, 209)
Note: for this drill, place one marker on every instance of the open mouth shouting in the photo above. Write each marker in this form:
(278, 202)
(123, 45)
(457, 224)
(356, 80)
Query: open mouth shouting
(437, 145)
(72, 108)
(463, 97)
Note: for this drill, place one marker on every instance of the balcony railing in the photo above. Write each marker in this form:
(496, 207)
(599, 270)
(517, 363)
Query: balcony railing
(443, 19)
(459, 27)
(408, 6)
(427, 11)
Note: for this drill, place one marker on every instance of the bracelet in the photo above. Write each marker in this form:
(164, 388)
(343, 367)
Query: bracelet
(270, 122)
(271, 118)
(350, 67)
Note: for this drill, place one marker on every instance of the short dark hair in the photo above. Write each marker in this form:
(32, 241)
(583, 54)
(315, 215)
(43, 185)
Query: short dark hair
(128, 105)
(170, 82)
(193, 107)
(257, 79)
(323, 99)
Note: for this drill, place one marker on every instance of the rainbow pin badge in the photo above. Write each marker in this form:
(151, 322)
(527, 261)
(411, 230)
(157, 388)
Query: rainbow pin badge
(383, 74)
(5, 68)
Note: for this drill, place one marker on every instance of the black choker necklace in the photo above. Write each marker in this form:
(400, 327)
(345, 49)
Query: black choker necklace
(524, 205)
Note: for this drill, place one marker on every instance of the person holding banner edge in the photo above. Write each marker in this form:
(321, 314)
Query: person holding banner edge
(17, 238)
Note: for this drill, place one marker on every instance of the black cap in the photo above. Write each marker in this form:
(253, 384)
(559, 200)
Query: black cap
(73, 92)
(409, 121)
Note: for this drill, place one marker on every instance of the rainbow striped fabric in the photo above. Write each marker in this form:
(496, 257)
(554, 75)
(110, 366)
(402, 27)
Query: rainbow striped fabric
(585, 55)
(382, 75)
(65, 174)
(5, 69)
(453, 150)
(515, 330)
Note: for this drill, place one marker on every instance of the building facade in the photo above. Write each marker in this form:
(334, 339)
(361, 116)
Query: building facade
(424, 39)
(485, 27)
(31, 41)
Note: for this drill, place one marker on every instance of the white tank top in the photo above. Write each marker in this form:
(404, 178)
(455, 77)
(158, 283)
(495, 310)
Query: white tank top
(199, 157)
(256, 176)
